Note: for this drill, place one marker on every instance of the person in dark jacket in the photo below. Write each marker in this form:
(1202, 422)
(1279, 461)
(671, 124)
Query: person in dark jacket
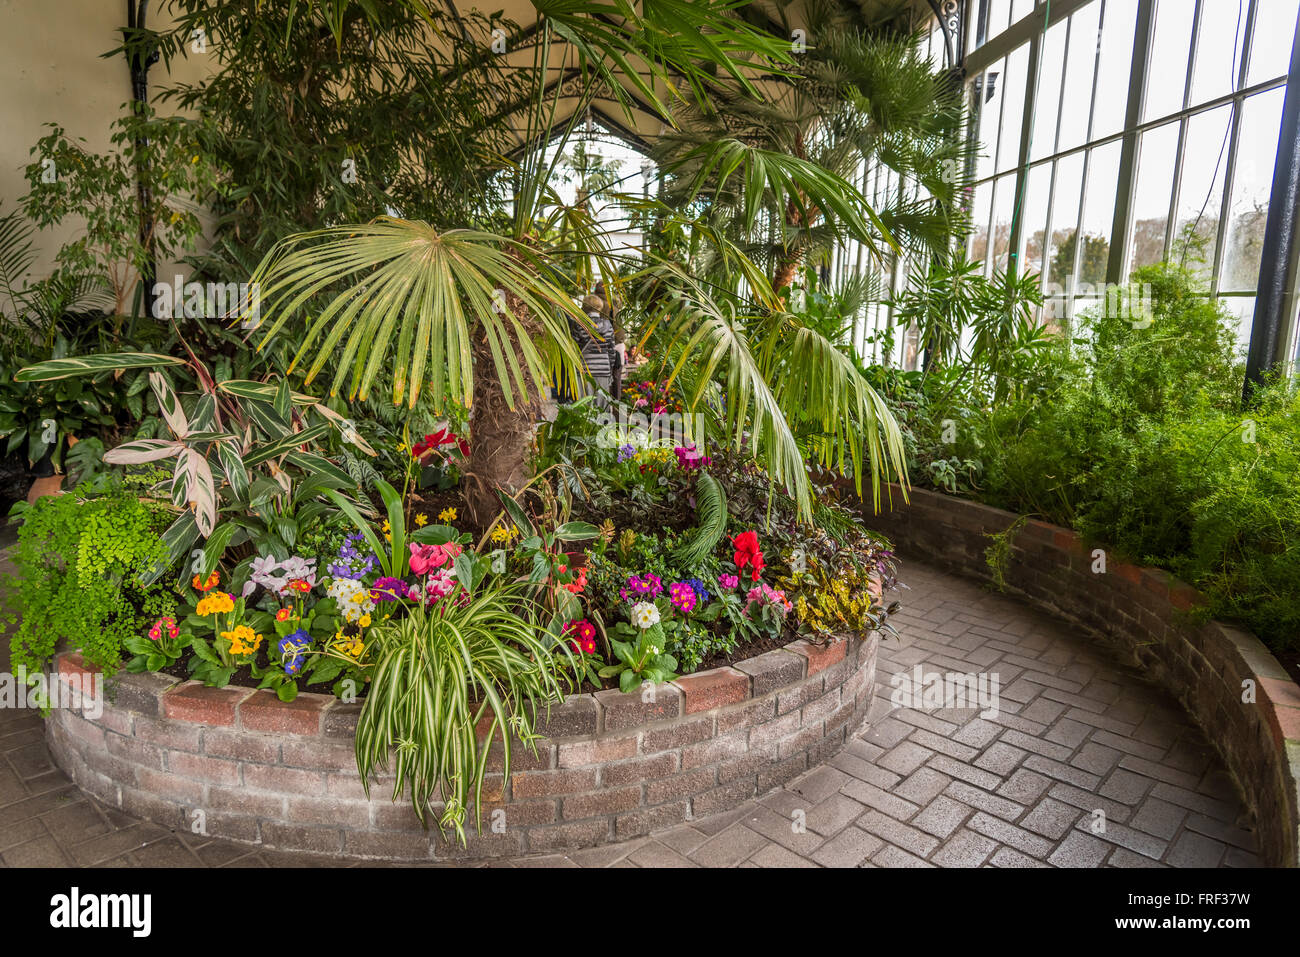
(599, 355)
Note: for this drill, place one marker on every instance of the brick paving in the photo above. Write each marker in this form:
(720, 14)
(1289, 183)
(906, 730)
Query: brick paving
(1085, 765)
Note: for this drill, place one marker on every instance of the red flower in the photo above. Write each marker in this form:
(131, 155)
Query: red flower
(577, 586)
(583, 636)
(437, 441)
(748, 554)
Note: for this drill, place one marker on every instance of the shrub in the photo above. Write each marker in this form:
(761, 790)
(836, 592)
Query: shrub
(80, 568)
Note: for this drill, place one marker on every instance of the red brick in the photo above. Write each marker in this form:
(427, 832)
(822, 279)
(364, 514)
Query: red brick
(713, 689)
(194, 702)
(622, 711)
(241, 745)
(573, 835)
(639, 769)
(72, 663)
(577, 754)
(171, 787)
(773, 670)
(528, 784)
(644, 820)
(263, 711)
(820, 657)
(318, 840)
(719, 749)
(680, 785)
(746, 715)
(173, 735)
(522, 814)
(1184, 596)
(325, 754)
(203, 768)
(607, 801)
(676, 735)
(292, 780)
(328, 811)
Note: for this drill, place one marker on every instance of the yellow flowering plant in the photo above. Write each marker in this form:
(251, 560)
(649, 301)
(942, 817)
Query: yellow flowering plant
(224, 635)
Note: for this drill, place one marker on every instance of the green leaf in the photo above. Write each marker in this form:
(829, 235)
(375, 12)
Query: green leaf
(53, 369)
(576, 532)
(287, 691)
(628, 680)
(286, 444)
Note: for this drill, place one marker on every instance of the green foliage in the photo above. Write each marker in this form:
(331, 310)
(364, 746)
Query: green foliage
(1134, 435)
(438, 675)
(82, 566)
(711, 521)
(66, 179)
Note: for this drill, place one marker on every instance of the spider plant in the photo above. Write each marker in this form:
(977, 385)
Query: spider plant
(442, 674)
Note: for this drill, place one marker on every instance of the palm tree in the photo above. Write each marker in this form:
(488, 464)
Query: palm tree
(857, 98)
(480, 315)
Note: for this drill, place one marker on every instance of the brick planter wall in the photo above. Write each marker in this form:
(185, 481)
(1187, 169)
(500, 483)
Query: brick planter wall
(1144, 614)
(245, 766)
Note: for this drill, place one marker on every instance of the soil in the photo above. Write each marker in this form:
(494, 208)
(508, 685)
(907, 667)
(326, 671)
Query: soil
(1290, 660)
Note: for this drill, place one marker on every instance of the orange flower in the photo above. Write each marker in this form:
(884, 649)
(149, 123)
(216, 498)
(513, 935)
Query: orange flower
(213, 580)
(283, 614)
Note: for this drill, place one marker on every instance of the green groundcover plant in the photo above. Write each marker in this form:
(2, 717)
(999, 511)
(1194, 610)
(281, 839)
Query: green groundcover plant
(1133, 432)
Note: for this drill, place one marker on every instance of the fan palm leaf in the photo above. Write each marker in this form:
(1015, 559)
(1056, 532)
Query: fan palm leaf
(404, 295)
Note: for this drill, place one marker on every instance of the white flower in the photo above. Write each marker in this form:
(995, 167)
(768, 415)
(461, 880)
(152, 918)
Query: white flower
(645, 614)
(353, 598)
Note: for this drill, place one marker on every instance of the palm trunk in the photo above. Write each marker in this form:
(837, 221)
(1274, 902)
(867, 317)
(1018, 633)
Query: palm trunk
(501, 439)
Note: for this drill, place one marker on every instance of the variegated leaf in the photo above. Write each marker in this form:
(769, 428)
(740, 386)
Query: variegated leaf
(89, 365)
(169, 405)
(141, 451)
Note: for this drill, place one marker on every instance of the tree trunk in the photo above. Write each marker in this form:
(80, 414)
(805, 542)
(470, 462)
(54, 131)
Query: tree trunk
(501, 439)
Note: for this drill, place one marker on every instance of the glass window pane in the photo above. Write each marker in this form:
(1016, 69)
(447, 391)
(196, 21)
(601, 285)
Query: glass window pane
(1021, 9)
(981, 205)
(1270, 45)
(1079, 66)
(999, 17)
(1200, 191)
(1034, 218)
(1051, 64)
(1252, 180)
(1098, 211)
(1065, 221)
(1170, 43)
(1013, 101)
(1004, 203)
(1243, 308)
(989, 89)
(1119, 20)
(1219, 49)
(1155, 180)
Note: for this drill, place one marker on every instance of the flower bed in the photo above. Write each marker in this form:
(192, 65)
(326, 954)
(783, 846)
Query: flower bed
(1225, 678)
(240, 764)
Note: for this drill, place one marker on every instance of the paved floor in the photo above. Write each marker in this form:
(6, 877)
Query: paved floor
(1085, 765)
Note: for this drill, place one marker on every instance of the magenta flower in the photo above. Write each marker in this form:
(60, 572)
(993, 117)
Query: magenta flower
(388, 589)
(728, 581)
(682, 596)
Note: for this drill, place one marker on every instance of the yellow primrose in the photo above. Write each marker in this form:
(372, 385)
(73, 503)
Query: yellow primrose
(421, 520)
(217, 603)
(447, 515)
(242, 640)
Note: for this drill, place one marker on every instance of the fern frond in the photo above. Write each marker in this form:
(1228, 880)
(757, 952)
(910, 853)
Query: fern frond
(711, 521)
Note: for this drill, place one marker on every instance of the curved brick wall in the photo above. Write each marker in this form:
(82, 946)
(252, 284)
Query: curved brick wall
(611, 766)
(1143, 613)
